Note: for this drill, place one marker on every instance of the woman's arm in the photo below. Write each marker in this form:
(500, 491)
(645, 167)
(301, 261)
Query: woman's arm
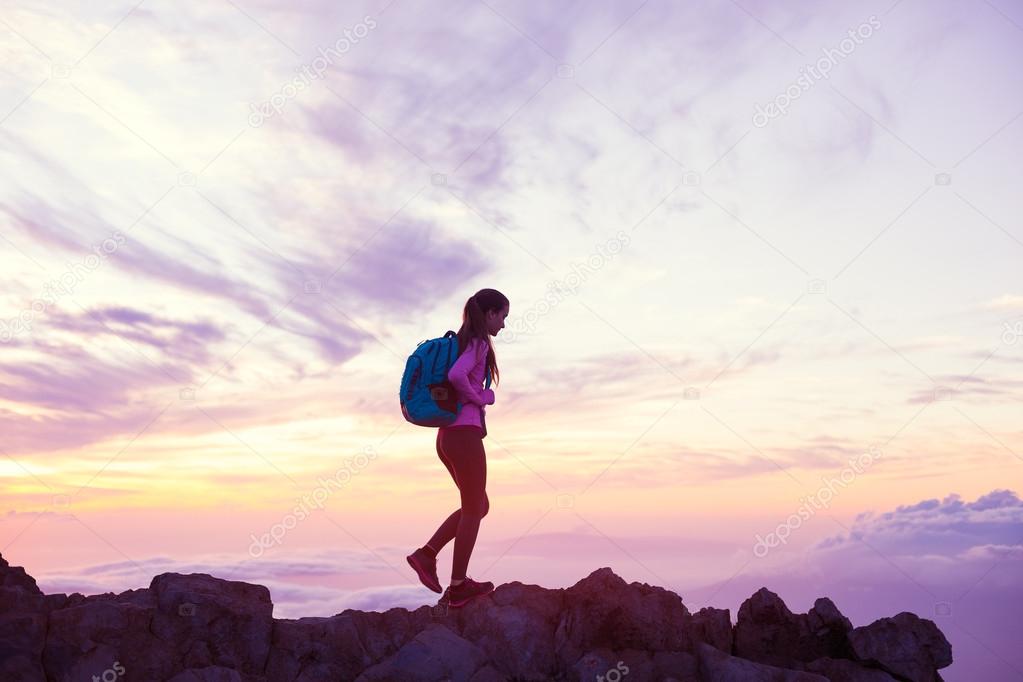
(458, 375)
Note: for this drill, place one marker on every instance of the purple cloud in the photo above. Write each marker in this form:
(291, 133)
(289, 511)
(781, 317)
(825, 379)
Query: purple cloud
(947, 527)
(953, 561)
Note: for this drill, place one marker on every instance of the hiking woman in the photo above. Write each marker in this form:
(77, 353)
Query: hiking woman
(460, 448)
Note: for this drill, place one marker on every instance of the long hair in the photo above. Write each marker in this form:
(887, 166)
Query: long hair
(474, 325)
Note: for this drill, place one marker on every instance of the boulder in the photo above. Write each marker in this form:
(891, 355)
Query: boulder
(100, 634)
(677, 666)
(713, 626)
(842, 670)
(23, 610)
(515, 627)
(436, 653)
(317, 649)
(603, 611)
(208, 621)
(15, 577)
(342, 646)
(717, 666)
(766, 631)
(22, 633)
(905, 645)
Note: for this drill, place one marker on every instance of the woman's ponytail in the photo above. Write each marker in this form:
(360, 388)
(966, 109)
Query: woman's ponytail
(474, 324)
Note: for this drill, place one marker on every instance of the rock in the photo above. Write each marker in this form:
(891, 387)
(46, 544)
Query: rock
(677, 666)
(612, 666)
(767, 632)
(841, 670)
(595, 663)
(765, 629)
(23, 609)
(904, 645)
(22, 633)
(209, 621)
(181, 621)
(102, 634)
(213, 673)
(436, 653)
(827, 628)
(603, 611)
(383, 633)
(633, 664)
(825, 615)
(340, 647)
(516, 628)
(714, 626)
(317, 649)
(15, 577)
(199, 628)
(489, 674)
(717, 666)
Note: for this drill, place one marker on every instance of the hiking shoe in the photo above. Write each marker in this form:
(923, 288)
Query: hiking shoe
(425, 567)
(461, 594)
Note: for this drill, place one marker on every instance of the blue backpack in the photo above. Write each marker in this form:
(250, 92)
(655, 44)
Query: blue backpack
(427, 396)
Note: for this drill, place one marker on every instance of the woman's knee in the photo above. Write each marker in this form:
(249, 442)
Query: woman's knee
(479, 509)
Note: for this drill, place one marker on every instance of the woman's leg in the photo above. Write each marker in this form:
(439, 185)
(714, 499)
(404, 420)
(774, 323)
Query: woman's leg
(446, 532)
(463, 449)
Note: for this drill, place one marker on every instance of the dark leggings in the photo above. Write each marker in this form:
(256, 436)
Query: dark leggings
(461, 450)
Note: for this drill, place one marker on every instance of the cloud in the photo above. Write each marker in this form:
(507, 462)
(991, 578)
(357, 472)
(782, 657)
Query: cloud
(296, 581)
(187, 341)
(947, 527)
(956, 562)
(1004, 302)
(957, 387)
(14, 515)
(49, 433)
(75, 380)
(91, 396)
(86, 396)
(439, 109)
(296, 564)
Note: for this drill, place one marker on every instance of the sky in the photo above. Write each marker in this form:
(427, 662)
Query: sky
(763, 259)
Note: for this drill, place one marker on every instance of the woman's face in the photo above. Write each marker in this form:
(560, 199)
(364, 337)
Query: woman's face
(495, 320)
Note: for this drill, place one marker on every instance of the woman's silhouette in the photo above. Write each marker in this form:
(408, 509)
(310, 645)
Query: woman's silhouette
(460, 448)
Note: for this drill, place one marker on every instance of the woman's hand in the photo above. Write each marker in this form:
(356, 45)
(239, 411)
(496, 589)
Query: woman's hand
(488, 396)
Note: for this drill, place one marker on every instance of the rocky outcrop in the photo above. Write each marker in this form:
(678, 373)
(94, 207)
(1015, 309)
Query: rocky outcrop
(199, 628)
(23, 609)
(905, 645)
(767, 632)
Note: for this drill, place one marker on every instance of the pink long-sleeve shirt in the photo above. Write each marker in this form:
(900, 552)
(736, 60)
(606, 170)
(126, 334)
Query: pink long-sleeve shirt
(467, 375)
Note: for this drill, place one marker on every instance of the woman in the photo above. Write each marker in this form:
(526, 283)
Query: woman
(460, 447)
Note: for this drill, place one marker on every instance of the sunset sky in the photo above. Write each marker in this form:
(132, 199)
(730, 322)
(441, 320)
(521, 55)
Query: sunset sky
(745, 243)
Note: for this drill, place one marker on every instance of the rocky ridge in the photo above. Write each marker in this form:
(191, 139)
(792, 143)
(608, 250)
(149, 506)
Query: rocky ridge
(199, 628)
